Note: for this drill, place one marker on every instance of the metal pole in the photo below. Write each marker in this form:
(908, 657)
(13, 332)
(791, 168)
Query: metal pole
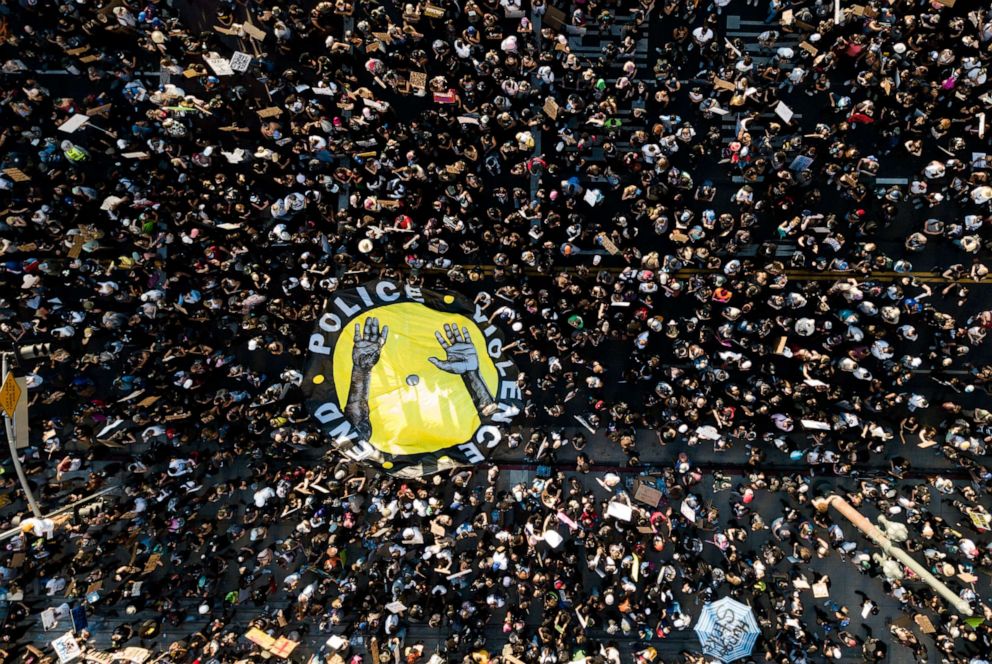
(13, 453)
(877, 536)
(838, 14)
(7, 534)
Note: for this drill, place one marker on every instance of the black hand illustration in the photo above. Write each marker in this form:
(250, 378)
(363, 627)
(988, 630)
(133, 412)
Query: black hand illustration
(462, 359)
(368, 345)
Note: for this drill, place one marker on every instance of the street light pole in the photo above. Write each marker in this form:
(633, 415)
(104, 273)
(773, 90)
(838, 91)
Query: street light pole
(876, 535)
(12, 442)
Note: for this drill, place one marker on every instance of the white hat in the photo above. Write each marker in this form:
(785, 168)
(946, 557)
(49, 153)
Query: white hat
(365, 245)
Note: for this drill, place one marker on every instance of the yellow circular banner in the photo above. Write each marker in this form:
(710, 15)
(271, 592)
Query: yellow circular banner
(414, 405)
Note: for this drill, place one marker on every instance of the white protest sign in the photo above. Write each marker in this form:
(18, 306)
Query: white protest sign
(66, 648)
(593, 197)
(220, 65)
(784, 112)
(74, 123)
(240, 61)
(48, 619)
(620, 511)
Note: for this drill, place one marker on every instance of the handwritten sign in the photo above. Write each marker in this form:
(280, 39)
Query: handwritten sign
(551, 108)
(220, 65)
(924, 623)
(449, 97)
(784, 112)
(153, 563)
(240, 61)
(980, 519)
(283, 647)
(260, 638)
(608, 244)
(67, 648)
(16, 174)
(647, 494)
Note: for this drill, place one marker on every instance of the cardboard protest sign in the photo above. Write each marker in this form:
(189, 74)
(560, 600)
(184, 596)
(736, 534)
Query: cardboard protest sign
(608, 244)
(721, 84)
(551, 108)
(260, 638)
(647, 494)
(16, 174)
(283, 647)
(253, 32)
(99, 110)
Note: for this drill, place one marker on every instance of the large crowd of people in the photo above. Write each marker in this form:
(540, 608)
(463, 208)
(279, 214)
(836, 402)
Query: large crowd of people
(174, 217)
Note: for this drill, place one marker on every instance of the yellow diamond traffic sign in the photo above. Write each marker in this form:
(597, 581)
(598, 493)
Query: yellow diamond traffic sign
(10, 394)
